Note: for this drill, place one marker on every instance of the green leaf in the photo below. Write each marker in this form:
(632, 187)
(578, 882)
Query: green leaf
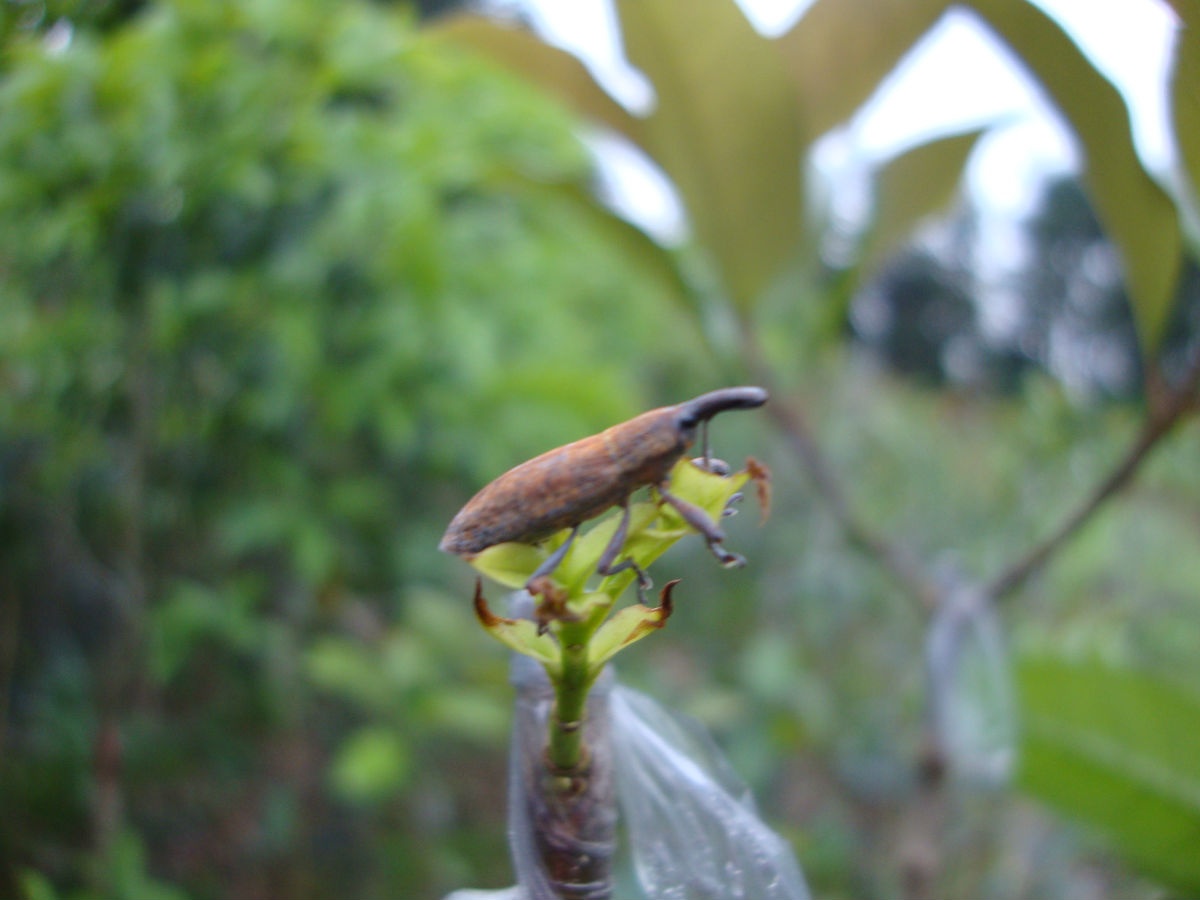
(708, 491)
(123, 872)
(553, 70)
(1187, 10)
(840, 50)
(629, 625)
(580, 564)
(372, 763)
(914, 186)
(520, 636)
(727, 131)
(1185, 102)
(511, 563)
(468, 714)
(190, 614)
(342, 665)
(653, 528)
(1137, 214)
(36, 886)
(652, 258)
(1117, 748)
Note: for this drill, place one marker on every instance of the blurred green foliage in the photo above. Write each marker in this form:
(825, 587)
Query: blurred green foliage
(277, 285)
(281, 284)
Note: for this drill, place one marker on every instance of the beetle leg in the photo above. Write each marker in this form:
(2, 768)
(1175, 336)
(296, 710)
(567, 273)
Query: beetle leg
(693, 515)
(699, 520)
(606, 567)
(616, 542)
(643, 580)
(551, 562)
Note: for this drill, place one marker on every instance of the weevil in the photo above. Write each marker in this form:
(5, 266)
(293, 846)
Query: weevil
(566, 486)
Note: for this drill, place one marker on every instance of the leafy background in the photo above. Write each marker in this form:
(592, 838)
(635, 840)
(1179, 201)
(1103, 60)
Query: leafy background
(282, 283)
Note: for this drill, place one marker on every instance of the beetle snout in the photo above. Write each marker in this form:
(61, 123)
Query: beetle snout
(704, 407)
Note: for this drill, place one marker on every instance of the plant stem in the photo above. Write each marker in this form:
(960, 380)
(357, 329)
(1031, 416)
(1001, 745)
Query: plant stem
(566, 750)
(1174, 404)
(562, 822)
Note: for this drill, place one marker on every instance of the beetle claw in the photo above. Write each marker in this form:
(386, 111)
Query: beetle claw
(643, 582)
(726, 558)
(712, 465)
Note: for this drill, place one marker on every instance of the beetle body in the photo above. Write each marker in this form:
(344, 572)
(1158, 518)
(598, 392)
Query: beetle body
(571, 484)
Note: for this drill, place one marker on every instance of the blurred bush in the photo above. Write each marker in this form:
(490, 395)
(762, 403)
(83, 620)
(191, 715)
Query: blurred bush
(280, 279)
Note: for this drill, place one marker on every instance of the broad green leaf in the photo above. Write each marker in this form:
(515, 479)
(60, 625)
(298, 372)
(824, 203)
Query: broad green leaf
(1187, 10)
(552, 69)
(913, 186)
(653, 259)
(726, 129)
(1137, 214)
(1185, 102)
(1118, 749)
(840, 50)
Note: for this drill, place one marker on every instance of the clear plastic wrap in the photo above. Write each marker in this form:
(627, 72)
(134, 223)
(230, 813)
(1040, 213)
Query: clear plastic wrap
(972, 706)
(693, 828)
(562, 828)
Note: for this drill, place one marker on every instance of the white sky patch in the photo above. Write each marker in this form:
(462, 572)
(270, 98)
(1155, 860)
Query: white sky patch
(637, 189)
(1130, 42)
(773, 17)
(957, 77)
(588, 28)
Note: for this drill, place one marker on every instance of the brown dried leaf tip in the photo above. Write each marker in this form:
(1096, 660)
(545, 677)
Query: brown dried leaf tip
(761, 476)
(665, 603)
(487, 618)
(553, 605)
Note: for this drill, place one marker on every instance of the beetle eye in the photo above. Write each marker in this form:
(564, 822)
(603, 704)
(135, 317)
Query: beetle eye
(687, 428)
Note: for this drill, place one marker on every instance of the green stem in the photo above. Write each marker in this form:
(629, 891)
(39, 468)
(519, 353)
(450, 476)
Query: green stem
(566, 748)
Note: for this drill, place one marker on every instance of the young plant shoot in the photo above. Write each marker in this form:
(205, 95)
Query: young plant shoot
(574, 630)
(523, 531)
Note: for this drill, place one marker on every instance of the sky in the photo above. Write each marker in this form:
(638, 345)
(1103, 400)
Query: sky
(956, 77)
